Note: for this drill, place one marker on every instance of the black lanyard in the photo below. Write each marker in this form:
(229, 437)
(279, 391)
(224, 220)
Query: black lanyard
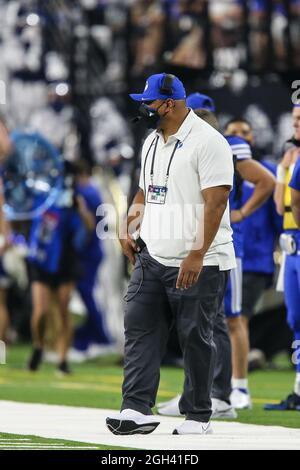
(169, 165)
(148, 151)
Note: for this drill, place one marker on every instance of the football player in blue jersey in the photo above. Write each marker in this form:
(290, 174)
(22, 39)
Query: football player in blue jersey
(260, 231)
(264, 183)
(287, 204)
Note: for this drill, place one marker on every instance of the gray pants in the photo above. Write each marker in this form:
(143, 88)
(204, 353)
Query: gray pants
(148, 317)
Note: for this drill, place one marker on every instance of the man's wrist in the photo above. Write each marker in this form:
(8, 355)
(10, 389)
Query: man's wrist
(242, 212)
(197, 254)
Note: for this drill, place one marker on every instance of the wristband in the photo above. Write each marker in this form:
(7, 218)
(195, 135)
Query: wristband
(280, 174)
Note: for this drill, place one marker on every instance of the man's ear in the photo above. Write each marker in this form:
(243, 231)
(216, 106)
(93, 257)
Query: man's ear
(171, 104)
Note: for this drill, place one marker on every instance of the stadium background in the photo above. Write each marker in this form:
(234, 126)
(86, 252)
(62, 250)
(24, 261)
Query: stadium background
(68, 67)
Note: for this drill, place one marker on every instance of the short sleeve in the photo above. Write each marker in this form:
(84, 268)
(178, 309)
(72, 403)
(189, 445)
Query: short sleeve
(240, 148)
(295, 180)
(215, 163)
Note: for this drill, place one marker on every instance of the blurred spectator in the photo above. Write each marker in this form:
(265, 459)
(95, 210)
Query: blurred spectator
(279, 33)
(55, 121)
(295, 32)
(186, 33)
(147, 34)
(227, 29)
(22, 54)
(259, 39)
(111, 139)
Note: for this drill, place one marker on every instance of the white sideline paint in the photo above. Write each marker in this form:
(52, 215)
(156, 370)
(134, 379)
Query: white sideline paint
(88, 425)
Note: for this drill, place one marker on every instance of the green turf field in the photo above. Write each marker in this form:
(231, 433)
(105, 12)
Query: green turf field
(20, 442)
(97, 383)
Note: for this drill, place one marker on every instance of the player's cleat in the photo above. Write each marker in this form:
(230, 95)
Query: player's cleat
(35, 359)
(222, 410)
(63, 368)
(240, 399)
(169, 408)
(291, 403)
(131, 422)
(193, 427)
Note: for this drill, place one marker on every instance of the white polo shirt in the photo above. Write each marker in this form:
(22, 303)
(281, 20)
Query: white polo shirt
(203, 159)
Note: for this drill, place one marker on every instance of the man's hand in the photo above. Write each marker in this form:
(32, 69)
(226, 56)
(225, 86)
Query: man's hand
(236, 216)
(129, 248)
(189, 271)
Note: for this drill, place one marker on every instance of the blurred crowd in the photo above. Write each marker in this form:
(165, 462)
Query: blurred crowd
(67, 66)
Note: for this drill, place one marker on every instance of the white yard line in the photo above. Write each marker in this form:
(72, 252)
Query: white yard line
(13, 440)
(88, 425)
(45, 447)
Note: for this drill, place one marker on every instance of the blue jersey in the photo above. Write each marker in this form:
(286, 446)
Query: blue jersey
(241, 151)
(49, 234)
(295, 184)
(88, 244)
(260, 230)
(295, 179)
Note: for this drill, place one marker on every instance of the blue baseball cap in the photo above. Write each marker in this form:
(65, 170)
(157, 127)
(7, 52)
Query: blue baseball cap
(197, 101)
(153, 91)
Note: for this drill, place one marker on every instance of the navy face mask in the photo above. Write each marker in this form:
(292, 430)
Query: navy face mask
(150, 116)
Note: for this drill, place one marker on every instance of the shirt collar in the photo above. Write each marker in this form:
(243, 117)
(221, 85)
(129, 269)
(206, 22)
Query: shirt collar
(184, 129)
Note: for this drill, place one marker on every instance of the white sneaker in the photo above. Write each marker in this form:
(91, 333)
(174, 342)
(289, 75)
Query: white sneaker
(193, 427)
(169, 408)
(240, 400)
(221, 409)
(131, 422)
(96, 350)
(76, 356)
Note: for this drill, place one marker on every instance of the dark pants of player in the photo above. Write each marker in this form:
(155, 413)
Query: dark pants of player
(148, 316)
(254, 285)
(93, 330)
(223, 368)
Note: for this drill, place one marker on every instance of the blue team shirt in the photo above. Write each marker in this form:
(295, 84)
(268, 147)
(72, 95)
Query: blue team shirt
(295, 179)
(61, 228)
(89, 246)
(241, 151)
(260, 230)
(49, 233)
(295, 184)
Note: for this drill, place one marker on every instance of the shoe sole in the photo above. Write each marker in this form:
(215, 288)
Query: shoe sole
(128, 427)
(249, 407)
